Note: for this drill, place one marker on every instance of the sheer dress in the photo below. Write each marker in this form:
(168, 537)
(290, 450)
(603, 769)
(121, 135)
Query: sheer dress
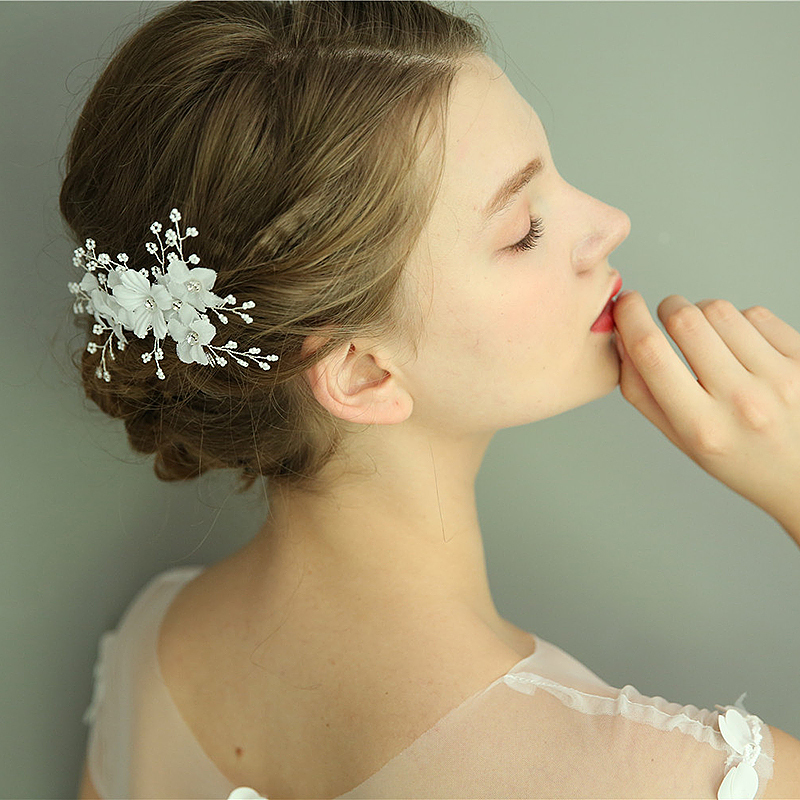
(549, 727)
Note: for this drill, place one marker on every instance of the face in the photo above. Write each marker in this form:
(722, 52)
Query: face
(507, 338)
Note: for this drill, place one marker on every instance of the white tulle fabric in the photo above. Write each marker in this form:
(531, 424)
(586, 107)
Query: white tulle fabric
(548, 728)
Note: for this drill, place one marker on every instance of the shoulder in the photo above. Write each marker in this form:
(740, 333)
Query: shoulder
(785, 781)
(155, 597)
(345, 702)
(190, 622)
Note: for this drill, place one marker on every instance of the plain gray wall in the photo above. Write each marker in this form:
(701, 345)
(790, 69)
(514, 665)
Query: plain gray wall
(600, 535)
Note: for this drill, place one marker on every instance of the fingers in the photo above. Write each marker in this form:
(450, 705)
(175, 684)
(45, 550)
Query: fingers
(679, 403)
(733, 354)
(636, 392)
(782, 336)
(740, 335)
(722, 347)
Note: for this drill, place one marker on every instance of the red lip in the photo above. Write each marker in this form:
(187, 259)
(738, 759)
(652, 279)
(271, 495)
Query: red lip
(617, 286)
(615, 289)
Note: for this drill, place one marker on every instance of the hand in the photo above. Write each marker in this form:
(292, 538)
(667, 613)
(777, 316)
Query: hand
(740, 418)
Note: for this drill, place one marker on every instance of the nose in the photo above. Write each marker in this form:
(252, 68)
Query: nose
(609, 231)
(623, 228)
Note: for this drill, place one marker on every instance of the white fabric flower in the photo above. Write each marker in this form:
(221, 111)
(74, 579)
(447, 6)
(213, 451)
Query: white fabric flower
(191, 338)
(89, 283)
(191, 286)
(145, 302)
(113, 278)
(104, 307)
(245, 793)
(108, 306)
(186, 313)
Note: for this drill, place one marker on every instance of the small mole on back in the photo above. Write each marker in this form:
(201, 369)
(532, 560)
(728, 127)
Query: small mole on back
(238, 751)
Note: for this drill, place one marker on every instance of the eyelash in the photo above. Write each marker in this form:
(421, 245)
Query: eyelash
(531, 237)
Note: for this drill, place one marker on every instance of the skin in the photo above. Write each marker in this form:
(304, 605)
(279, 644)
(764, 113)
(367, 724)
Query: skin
(507, 342)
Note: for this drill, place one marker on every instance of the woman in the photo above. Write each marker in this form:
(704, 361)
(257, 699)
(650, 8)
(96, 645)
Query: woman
(421, 277)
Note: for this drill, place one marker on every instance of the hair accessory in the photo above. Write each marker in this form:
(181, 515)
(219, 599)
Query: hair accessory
(174, 303)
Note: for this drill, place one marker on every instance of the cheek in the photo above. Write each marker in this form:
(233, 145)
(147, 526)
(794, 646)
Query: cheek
(481, 347)
(526, 321)
(464, 341)
(489, 330)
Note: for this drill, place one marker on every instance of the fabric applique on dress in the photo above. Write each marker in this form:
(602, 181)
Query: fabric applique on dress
(99, 672)
(245, 793)
(742, 731)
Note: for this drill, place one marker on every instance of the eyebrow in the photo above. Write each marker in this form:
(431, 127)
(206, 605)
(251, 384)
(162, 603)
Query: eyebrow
(511, 187)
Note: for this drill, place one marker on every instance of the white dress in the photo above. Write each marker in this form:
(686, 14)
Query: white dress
(547, 728)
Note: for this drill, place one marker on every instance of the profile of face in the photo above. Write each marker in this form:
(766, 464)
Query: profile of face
(508, 298)
(507, 338)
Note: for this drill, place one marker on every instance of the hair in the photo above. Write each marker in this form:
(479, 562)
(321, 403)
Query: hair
(290, 134)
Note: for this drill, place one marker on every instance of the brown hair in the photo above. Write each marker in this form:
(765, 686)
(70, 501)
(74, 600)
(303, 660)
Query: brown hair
(289, 134)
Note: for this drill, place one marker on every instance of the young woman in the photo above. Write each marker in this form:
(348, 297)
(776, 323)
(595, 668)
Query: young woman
(388, 269)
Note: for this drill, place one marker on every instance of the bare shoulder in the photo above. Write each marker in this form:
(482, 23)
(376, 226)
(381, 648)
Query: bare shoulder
(785, 782)
(182, 612)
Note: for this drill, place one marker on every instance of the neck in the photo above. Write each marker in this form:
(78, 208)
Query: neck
(401, 534)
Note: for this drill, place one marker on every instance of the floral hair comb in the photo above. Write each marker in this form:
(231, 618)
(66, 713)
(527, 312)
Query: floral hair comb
(171, 299)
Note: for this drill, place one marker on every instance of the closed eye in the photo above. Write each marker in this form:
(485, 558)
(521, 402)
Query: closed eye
(531, 237)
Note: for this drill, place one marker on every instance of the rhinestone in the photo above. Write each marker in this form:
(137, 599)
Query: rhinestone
(193, 286)
(192, 337)
(176, 304)
(150, 303)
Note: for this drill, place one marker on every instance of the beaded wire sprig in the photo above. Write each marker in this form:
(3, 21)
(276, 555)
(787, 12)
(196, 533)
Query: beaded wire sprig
(175, 303)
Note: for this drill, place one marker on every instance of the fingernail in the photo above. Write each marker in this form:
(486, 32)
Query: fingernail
(620, 346)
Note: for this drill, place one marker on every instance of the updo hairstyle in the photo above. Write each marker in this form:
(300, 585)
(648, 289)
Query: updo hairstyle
(289, 134)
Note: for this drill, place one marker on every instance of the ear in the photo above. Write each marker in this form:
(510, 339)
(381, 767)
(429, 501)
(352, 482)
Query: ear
(354, 384)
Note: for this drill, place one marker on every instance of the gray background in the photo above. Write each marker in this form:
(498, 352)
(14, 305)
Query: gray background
(600, 535)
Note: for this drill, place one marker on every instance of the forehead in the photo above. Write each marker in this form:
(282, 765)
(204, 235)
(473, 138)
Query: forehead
(491, 132)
